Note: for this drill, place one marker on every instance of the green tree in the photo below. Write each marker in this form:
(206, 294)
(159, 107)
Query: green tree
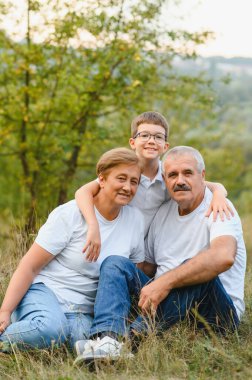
(71, 85)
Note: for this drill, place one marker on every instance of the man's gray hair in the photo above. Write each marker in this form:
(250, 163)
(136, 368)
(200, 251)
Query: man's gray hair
(182, 150)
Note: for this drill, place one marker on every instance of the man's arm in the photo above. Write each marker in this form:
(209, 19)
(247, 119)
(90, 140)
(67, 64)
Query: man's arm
(208, 264)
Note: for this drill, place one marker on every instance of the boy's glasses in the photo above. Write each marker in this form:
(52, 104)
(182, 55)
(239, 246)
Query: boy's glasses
(145, 136)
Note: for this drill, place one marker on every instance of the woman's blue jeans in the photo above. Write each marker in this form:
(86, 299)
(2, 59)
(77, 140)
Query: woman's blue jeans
(39, 322)
(120, 279)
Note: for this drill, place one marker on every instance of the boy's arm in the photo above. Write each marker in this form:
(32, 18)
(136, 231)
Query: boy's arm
(219, 203)
(85, 200)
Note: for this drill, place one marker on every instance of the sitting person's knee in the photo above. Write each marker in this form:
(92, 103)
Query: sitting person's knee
(52, 331)
(118, 261)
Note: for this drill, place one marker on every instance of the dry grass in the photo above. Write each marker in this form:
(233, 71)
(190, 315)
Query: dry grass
(181, 353)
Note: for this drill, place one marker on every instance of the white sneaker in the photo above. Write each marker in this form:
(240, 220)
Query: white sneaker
(82, 345)
(105, 348)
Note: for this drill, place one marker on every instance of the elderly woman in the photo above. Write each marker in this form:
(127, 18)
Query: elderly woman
(51, 295)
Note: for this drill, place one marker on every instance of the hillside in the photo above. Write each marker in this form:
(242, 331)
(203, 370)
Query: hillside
(236, 67)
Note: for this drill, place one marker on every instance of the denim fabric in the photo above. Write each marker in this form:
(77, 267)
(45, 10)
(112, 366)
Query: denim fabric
(119, 279)
(39, 320)
(206, 304)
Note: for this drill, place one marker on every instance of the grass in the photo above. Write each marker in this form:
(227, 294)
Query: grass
(181, 353)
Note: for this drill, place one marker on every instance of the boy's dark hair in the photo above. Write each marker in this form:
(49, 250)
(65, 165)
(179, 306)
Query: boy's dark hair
(150, 117)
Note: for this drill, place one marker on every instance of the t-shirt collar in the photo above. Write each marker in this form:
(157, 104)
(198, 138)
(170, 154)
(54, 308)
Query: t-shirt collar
(158, 176)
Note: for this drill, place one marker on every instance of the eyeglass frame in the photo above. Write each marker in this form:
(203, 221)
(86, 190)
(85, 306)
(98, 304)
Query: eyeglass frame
(151, 135)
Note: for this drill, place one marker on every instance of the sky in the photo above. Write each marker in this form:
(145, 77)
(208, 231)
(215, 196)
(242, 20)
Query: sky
(230, 20)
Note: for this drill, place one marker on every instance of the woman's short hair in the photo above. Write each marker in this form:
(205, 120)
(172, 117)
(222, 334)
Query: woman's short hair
(115, 157)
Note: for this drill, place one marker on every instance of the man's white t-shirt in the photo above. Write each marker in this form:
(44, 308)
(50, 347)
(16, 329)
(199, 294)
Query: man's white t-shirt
(150, 195)
(173, 238)
(69, 275)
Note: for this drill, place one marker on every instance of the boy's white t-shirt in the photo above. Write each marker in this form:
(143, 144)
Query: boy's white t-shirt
(173, 238)
(149, 197)
(69, 275)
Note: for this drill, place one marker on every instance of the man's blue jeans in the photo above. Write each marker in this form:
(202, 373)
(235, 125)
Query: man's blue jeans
(120, 279)
(39, 321)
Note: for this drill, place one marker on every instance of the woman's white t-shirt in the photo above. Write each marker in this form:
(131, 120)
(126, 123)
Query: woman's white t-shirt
(69, 275)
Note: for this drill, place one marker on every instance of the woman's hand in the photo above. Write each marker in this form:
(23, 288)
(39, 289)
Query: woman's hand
(5, 320)
(93, 243)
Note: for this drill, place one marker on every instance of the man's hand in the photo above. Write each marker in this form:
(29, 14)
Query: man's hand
(151, 295)
(93, 243)
(5, 320)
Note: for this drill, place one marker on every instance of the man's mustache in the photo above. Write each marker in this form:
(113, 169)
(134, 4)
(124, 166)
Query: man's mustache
(181, 188)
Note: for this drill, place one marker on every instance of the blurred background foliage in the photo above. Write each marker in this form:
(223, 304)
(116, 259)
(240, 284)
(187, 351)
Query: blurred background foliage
(71, 86)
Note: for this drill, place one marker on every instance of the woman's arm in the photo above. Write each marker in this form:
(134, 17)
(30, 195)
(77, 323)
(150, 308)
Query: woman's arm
(30, 265)
(219, 203)
(85, 200)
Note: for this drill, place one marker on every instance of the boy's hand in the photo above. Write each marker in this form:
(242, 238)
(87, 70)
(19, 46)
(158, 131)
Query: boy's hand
(93, 243)
(5, 320)
(219, 205)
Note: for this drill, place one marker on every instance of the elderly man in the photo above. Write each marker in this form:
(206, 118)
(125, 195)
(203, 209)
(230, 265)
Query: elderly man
(198, 264)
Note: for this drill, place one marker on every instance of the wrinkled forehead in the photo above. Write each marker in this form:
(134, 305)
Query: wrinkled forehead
(130, 169)
(179, 162)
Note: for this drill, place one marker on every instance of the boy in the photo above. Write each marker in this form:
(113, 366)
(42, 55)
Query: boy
(149, 133)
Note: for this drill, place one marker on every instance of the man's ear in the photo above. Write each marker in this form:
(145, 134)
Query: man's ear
(132, 143)
(203, 173)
